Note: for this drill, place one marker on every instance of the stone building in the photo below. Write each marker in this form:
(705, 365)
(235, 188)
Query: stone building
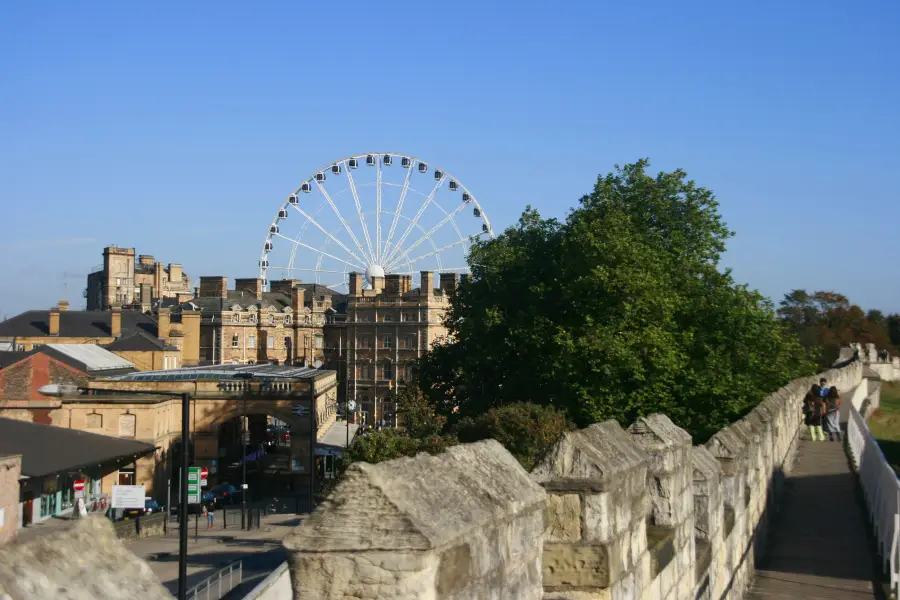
(247, 325)
(149, 341)
(123, 281)
(371, 337)
(387, 328)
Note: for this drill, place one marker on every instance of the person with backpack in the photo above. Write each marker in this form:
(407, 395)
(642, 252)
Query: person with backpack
(832, 418)
(813, 411)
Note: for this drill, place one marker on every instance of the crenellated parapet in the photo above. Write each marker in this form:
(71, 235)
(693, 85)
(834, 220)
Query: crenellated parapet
(610, 513)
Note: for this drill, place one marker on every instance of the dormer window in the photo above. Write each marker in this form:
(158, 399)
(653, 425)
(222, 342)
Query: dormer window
(271, 319)
(287, 319)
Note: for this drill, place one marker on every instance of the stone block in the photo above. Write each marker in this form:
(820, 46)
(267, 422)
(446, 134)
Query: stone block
(576, 565)
(564, 517)
(81, 561)
(456, 525)
(599, 457)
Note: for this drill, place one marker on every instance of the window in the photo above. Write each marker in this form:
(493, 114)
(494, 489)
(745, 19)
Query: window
(252, 318)
(387, 341)
(271, 340)
(387, 370)
(408, 342)
(251, 341)
(287, 319)
(287, 342)
(388, 317)
(306, 341)
(271, 319)
(365, 342)
(235, 342)
(320, 342)
(365, 371)
(407, 372)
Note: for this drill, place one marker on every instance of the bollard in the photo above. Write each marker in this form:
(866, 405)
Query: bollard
(196, 526)
(224, 517)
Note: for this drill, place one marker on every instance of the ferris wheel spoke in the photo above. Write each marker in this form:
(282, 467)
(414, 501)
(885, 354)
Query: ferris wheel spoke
(378, 248)
(435, 251)
(359, 212)
(308, 269)
(416, 218)
(342, 220)
(317, 251)
(323, 230)
(440, 224)
(399, 209)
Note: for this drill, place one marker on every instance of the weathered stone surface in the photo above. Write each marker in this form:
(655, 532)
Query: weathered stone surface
(462, 524)
(84, 561)
(576, 565)
(592, 458)
(563, 518)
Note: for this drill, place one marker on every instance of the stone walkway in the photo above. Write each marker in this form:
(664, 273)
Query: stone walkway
(819, 547)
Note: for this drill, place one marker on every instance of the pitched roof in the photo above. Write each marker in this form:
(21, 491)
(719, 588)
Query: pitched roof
(91, 358)
(137, 342)
(9, 358)
(47, 449)
(76, 323)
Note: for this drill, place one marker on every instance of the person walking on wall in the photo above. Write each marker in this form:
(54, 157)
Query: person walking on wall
(832, 413)
(813, 411)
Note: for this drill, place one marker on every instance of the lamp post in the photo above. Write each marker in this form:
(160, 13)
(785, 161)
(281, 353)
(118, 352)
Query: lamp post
(64, 390)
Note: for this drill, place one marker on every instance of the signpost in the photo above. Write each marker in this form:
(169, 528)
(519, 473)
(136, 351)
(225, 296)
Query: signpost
(204, 473)
(193, 485)
(78, 486)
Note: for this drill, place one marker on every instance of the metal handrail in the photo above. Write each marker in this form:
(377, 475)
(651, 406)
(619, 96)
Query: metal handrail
(212, 588)
(881, 489)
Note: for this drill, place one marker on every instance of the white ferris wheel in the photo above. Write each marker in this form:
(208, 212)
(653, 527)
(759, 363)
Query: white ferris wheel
(377, 214)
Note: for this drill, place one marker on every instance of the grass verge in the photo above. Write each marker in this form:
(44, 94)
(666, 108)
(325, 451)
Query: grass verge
(885, 423)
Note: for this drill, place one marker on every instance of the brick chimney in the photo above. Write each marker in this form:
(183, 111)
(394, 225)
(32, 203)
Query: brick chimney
(53, 322)
(285, 286)
(427, 285)
(356, 284)
(115, 322)
(298, 299)
(392, 284)
(213, 287)
(175, 273)
(63, 305)
(378, 284)
(251, 286)
(163, 320)
(449, 282)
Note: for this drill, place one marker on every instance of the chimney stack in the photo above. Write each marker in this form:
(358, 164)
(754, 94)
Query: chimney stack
(298, 300)
(378, 284)
(213, 287)
(175, 273)
(392, 284)
(449, 282)
(251, 286)
(53, 323)
(115, 322)
(356, 284)
(163, 320)
(427, 285)
(63, 305)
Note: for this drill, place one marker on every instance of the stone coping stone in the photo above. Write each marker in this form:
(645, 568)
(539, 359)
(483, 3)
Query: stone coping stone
(657, 432)
(594, 458)
(419, 503)
(82, 561)
(706, 467)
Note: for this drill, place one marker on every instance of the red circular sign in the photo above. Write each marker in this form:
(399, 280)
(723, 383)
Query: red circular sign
(203, 472)
(78, 485)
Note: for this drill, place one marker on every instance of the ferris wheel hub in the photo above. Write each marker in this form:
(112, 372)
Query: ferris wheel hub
(374, 271)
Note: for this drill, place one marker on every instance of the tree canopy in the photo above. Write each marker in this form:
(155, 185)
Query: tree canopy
(825, 321)
(619, 311)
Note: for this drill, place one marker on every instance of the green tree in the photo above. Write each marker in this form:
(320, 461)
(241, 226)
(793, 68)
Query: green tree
(617, 312)
(528, 431)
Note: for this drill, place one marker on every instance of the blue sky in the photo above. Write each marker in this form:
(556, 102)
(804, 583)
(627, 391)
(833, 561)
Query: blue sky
(179, 129)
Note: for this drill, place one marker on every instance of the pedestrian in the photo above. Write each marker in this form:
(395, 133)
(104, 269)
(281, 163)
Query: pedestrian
(210, 516)
(832, 413)
(813, 410)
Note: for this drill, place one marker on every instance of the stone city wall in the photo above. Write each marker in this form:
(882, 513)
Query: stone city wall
(630, 513)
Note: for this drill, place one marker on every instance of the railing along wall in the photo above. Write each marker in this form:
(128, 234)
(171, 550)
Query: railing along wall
(880, 488)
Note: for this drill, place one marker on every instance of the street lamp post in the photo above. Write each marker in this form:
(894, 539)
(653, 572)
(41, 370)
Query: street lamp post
(58, 390)
(244, 434)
